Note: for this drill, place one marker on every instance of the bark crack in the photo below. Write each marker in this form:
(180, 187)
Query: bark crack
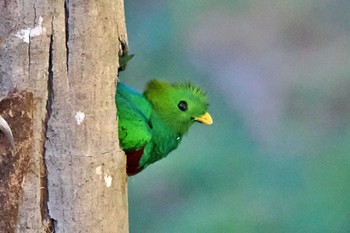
(34, 8)
(49, 223)
(66, 16)
(29, 40)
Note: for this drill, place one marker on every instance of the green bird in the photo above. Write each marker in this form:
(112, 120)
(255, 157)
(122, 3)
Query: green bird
(151, 124)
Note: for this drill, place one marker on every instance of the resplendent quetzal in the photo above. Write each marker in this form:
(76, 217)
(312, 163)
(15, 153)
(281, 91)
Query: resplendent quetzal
(152, 124)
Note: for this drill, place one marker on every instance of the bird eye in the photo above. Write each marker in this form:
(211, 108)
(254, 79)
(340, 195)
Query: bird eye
(182, 105)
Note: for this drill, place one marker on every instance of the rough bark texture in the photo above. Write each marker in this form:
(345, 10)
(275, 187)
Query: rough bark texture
(14, 164)
(58, 67)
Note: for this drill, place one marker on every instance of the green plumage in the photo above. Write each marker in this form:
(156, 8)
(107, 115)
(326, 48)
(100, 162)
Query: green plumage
(152, 124)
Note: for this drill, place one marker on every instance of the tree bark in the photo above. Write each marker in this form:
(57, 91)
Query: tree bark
(58, 71)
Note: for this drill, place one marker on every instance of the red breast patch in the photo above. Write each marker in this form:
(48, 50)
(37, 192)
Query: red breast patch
(133, 162)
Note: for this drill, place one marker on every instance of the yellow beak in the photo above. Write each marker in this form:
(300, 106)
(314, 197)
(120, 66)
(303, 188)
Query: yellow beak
(205, 119)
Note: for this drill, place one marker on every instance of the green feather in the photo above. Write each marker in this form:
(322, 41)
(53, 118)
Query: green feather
(133, 113)
(156, 121)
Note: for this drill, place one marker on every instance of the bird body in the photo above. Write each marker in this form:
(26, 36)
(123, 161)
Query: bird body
(152, 124)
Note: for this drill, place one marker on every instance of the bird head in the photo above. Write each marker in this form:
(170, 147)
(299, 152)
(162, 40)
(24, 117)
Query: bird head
(179, 105)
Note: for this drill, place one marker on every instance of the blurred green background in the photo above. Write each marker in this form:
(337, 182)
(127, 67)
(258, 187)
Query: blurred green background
(277, 158)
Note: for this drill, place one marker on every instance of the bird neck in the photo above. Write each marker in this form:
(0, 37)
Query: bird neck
(164, 140)
(176, 128)
(162, 128)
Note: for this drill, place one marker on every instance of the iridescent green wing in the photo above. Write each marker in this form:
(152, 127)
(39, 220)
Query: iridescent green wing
(133, 118)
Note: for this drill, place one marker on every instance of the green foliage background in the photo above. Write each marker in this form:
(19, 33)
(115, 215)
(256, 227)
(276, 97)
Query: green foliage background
(277, 74)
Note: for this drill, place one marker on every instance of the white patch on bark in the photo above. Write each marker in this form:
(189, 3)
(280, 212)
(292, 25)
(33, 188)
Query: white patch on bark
(26, 34)
(108, 179)
(98, 170)
(79, 117)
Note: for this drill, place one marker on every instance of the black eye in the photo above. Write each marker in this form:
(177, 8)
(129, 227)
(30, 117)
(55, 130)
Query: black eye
(182, 105)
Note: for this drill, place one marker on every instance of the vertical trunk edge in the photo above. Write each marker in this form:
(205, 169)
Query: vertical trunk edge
(57, 86)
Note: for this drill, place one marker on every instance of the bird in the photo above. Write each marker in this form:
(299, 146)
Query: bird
(151, 124)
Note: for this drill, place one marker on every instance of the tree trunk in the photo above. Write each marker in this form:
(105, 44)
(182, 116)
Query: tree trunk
(58, 68)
